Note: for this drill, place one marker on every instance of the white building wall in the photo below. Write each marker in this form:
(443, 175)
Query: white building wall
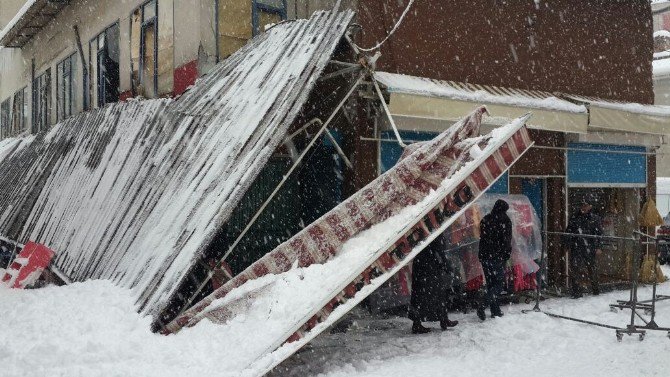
(189, 24)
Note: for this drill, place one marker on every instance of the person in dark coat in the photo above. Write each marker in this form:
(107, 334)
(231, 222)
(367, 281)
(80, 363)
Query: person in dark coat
(583, 250)
(495, 248)
(433, 277)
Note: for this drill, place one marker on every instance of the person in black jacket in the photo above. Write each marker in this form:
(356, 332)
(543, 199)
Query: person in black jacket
(433, 278)
(495, 248)
(583, 250)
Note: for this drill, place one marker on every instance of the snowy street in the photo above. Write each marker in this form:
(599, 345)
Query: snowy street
(92, 329)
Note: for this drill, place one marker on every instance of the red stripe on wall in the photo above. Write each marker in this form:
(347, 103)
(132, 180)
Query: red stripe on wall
(185, 76)
(125, 96)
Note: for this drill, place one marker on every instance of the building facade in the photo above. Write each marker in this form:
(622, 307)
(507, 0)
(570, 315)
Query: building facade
(594, 54)
(587, 63)
(61, 58)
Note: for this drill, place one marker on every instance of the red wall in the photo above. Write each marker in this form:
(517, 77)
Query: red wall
(184, 77)
(592, 47)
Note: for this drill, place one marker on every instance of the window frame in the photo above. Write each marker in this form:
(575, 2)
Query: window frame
(257, 7)
(91, 52)
(41, 87)
(23, 112)
(61, 113)
(145, 24)
(5, 118)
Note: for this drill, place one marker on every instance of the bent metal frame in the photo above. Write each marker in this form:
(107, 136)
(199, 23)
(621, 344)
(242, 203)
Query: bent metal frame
(633, 303)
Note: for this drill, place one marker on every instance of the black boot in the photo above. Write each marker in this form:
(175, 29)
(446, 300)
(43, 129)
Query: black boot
(417, 328)
(481, 314)
(446, 323)
(497, 313)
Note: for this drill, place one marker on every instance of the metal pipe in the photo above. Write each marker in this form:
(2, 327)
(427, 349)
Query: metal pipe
(387, 111)
(582, 321)
(339, 150)
(265, 204)
(292, 169)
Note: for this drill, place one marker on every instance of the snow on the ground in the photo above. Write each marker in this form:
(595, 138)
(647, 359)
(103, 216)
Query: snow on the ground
(516, 344)
(92, 329)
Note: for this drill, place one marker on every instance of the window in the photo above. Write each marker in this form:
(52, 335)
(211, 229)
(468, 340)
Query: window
(65, 89)
(104, 65)
(144, 49)
(265, 12)
(41, 101)
(19, 112)
(4, 119)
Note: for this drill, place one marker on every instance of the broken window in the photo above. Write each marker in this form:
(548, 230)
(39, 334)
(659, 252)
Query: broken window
(267, 12)
(104, 65)
(65, 89)
(144, 49)
(4, 119)
(19, 112)
(41, 101)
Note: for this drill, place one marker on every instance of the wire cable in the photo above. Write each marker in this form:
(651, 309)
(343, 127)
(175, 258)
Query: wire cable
(378, 45)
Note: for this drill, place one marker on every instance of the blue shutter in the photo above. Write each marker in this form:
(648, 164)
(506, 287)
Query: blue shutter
(391, 152)
(595, 167)
(501, 186)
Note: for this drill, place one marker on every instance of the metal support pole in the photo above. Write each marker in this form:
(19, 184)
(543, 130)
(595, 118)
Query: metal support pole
(387, 111)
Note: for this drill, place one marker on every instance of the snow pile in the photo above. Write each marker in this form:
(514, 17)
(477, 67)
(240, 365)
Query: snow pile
(92, 329)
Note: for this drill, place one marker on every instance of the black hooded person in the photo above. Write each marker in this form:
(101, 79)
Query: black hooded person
(583, 250)
(495, 248)
(432, 283)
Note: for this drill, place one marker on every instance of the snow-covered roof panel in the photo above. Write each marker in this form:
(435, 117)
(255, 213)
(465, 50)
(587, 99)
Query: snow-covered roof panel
(611, 115)
(29, 20)
(480, 94)
(136, 191)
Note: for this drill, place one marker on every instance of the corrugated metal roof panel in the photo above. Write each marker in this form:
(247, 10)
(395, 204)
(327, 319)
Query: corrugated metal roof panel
(134, 192)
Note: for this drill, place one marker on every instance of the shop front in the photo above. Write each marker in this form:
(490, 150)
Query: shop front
(615, 176)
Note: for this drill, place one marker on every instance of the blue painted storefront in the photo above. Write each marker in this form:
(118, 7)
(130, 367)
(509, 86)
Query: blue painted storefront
(605, 165)
(390, 153)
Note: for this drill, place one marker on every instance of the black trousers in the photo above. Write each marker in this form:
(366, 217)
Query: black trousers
(494, 273)
(583, 267)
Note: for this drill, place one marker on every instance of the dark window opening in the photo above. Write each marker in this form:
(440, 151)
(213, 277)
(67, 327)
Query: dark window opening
(4, 119)
(144, 49)
(65, 88)
(41, 101)
(104, 65)
(266, 12)
(19, 112)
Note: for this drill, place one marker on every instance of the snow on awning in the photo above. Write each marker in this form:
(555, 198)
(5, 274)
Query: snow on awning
(29, 20)
(135, 192)
(609, 115)
(417, 99)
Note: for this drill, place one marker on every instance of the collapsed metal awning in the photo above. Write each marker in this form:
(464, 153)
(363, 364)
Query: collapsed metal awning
(305, 285)
(136, 192)
(609, 115)
(29, 20)
(424, 104)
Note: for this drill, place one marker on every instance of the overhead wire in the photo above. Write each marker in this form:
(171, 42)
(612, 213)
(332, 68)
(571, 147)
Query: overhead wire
(378, 45)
